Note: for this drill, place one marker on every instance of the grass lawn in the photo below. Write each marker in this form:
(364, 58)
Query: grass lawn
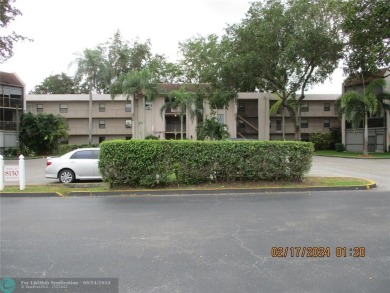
(333, 153)
(307, 182)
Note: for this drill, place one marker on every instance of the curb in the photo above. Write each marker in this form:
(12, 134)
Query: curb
(173, 192)
(356, 158)
(30, 194)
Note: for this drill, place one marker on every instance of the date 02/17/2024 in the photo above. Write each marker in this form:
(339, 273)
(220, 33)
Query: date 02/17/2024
(317, 251)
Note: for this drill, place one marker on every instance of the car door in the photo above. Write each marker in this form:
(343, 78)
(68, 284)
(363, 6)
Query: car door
(83, 163)
(95, 164)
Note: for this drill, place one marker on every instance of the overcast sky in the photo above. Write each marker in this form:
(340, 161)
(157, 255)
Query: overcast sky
(61, 28)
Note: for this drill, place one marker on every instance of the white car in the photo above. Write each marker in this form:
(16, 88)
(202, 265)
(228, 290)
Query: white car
(78, 164)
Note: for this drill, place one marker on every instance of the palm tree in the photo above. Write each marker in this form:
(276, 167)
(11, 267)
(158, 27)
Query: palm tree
(357, 107)
(182, 100)
(275, 108)
(91, 66)
(212, 129)
(135, 84)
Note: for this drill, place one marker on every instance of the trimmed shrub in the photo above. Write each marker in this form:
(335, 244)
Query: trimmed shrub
(151, 136)
(321, 140)
(339, 147)
(151, 162)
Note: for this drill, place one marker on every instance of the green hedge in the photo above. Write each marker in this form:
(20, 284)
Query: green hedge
(153, 162)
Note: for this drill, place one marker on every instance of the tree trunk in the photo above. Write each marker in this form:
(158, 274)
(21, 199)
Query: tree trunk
(181, 126)
(294, 120)
(299, 122)
(296, 131)
(365, 138)
(90, 114)
(283, 125)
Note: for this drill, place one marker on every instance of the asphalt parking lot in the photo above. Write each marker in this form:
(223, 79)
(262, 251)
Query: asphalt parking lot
(208, 243)
(374, 169)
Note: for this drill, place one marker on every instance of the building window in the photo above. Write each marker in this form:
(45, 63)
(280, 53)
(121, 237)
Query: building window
(63, 108)
(102, 107)
(241, 124)
(327, 107)
(327, 123)
(129, 123)
(304, 107)
(241, 107)
(39, 108)
(128, 137)
(148, 105)
(278, 125)
(304, 123)
(128, 107)
(102, 124)
(305, 136)
(221, 118)
(101, 139)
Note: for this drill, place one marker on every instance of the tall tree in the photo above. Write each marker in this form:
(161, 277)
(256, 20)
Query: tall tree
(182, 100)
(92, 68)
(202, 61)
(124, 56)
(285, 47)
(165, 71)
(8, 14)
(135, 85)
(366, 25)
(357, 107)
(57, 84)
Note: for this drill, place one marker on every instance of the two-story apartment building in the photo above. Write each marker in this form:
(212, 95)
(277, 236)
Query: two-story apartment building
(111, 119)
(248, 117)
(12, 103)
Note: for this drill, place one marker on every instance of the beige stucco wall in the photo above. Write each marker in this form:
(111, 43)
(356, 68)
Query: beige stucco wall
(152, 122)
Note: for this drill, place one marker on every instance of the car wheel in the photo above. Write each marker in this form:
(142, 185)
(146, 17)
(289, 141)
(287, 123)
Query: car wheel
(66, 176)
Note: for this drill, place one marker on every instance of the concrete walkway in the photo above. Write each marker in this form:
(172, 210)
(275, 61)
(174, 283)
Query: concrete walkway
(374, 169)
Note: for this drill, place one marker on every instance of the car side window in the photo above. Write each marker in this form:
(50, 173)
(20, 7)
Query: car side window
(83, 155)
(95, 155)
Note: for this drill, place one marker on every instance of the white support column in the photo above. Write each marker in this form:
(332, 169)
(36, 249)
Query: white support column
(343, 131)
(1, 172)
(22, 173)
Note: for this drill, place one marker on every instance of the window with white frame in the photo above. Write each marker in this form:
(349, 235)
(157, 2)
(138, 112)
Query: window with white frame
(326, 123)
(39, 108)
(102, 107)
(63, 108)
(102, 124)
(128, 107)
(326, 107)
(305, 107)
(304, 123)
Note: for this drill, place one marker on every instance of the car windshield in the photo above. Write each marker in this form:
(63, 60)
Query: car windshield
(85, 154)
